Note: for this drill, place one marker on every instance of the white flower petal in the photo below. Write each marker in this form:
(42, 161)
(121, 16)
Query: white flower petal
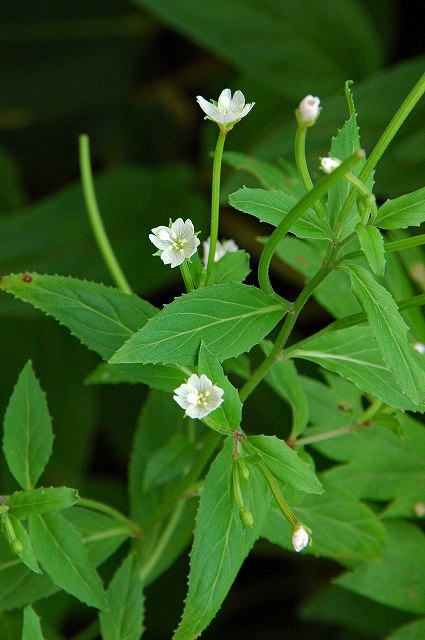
(300, 538)
(176, 243)
(198, 396)
(228, 109)
(308, 110)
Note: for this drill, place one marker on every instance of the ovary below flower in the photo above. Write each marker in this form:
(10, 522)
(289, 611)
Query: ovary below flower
(228, 110)
(223, 247)
(300, 537)
(175, 243)
(198, 396)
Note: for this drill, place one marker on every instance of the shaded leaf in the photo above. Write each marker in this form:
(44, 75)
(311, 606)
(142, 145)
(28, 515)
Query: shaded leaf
(20, 534)
(372, 245)
(32, 628)
(156, 376)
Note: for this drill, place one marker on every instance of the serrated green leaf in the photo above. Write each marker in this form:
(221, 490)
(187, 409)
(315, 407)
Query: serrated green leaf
(228, 415)
(406, 211)
(100, 317)
(372, 245)
(230, 318)
(285, 464)
(398, 580)
(124, 619)
(284, 379)
(273, 206)
(221, 543)
(343, 528)
(354, 354)
(28, 437)
(390, 332)
(232, 267)
(32, 628)
(156, 376)
(61, 552)
(23, 504)
(20, 534)
(413, 631)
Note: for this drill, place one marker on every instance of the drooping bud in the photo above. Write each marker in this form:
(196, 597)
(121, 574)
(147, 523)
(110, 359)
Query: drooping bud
(300, 537)
(308, 111)
(246, 517)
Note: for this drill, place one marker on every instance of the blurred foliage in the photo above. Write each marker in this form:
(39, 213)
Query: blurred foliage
(127, 74)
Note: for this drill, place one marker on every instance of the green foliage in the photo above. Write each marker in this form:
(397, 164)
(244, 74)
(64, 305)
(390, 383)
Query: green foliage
(318, 442)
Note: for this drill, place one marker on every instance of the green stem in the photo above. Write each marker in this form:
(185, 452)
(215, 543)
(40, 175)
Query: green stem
(302, 167)
(399, 117)
(215, 199)
(274, 488)
(328, 435)
(187, 276)
(95, 218)
(288, 325)
(132, 528)
(364, 191)
(296, 212)
(162, 542)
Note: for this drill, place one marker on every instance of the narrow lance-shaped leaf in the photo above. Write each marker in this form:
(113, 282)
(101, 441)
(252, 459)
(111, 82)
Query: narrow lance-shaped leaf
(19, 540)
(390, 332)
(23, 504)
(230, 318)
(100, 317)
(63, 556)
(32, 628)
(221, 542)
(124, 618)
(28, 437)
(406, 211)
(372, 244)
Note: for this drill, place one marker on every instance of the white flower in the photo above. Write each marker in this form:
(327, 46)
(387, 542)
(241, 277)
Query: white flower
(300, 537)
(308, 111)
(329, 164)
(223, 247)
(176, 242)
(228, 110)
(198, 396)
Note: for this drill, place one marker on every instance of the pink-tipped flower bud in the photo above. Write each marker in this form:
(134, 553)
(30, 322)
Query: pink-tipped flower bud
(300, 537)
(308, 111)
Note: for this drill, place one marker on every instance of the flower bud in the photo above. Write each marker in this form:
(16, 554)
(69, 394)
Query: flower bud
(329, 164)
(300, 537)
(419, 347)
(246, 517)
(308, 111)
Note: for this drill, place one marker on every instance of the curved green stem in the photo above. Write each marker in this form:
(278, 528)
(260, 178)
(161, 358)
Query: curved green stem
(187, 276)
(296, 212)
(133, 529)
(302, 167)
(96, 219)
(274, 488)
(162, 542)
(215, 198)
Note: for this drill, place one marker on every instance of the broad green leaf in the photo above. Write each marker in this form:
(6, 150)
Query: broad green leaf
(413, 631)
(232, 267)
(156, 376)
(268, 175)
(284, 463)
(273, 206)
(32, 628)
(124, 619)
(372, 245)
(390, 332)
(354, 354)
(283, 378)
(23, 504)
(19, 586)
(169, 462)
(406, 211)
(228, 415)
(100, 317)
(25, 552)
(293, 35)
(343, 528)
(221, 542)
(28, 438)
(380, 466)
(230, 318)
(400, 285)
(61, 552)
(398, 580)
